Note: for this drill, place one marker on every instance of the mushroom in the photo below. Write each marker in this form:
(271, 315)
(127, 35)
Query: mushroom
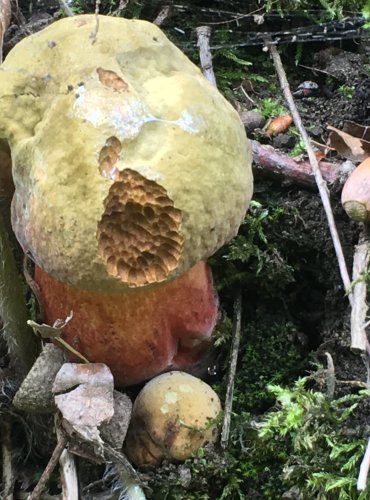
(356, 193)
(173, 415)
(129, 169)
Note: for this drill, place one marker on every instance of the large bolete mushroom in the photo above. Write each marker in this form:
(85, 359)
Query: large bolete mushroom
(173, 416)
(129, 169)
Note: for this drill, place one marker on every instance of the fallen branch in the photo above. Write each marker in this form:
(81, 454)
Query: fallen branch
(359, 342)
(268, 160)
(321, 184)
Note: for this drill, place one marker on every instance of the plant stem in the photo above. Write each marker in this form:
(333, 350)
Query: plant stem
(20, 339)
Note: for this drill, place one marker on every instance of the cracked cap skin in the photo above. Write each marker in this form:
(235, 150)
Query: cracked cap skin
(129, 167)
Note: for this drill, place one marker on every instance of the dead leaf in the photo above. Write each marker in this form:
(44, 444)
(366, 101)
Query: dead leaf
(357, 130)
(54, 333)
(279, 125)
(5, 15)
(84, 396)
(348, 146)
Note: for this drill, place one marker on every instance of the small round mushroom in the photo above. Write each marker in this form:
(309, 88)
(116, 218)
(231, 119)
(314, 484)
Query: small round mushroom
(356, 193)
(173, 416)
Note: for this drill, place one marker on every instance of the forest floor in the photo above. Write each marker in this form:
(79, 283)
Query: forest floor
(295, 311)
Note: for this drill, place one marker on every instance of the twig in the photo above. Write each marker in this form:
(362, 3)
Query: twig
(66, 8)
(359, 289)
(94, 34)
(21, 342)
(364, 469)
(232, 370)
(203, 35)
(6, 455)
(164, 15)
(58, 450)
(321, 184)
(68, 471)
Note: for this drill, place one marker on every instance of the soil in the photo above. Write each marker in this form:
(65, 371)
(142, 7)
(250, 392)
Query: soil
(313, 300)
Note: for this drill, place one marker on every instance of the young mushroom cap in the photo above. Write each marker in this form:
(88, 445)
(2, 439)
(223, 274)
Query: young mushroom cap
(356, 193)
(173, 416)
(141, 334)
(129, 167)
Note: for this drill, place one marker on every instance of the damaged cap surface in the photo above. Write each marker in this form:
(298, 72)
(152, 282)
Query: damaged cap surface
(129, 167)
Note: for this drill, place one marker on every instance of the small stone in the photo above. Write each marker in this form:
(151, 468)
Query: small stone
(114, 431)
(284, 141)
(35, 394)
(252, 120)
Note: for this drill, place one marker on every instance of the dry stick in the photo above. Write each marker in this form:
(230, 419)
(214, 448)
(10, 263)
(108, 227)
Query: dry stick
(58, 450)
(232, 370)
(321, 184)
(6, 455)
(204, 33)
(359, 306)
(68, 470)
(66, 8)
(21, 342)
(163, 15)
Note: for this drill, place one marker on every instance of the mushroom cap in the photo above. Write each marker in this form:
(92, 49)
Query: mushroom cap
(173, 416)
(356, 193)
(129, 167)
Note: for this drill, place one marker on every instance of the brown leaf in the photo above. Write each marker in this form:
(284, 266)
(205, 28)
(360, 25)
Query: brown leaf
(5, 14)
(348, 146)
(279, 125)
(85, 398)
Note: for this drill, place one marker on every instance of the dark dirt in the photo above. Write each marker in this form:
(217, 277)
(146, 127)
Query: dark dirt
(315, 300)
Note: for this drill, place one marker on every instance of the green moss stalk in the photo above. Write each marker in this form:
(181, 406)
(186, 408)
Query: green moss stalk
(20, 339)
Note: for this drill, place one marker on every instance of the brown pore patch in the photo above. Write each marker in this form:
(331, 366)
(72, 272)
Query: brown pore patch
(111, 79)
(108, 156)
(139, 235)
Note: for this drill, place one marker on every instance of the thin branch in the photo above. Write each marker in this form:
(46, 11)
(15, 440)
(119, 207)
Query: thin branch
(164, 15)
(321, 184)
(58, 450)
(232, 370)
(68, 470)
(94, 34)
(66, 8)
(203, 35)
